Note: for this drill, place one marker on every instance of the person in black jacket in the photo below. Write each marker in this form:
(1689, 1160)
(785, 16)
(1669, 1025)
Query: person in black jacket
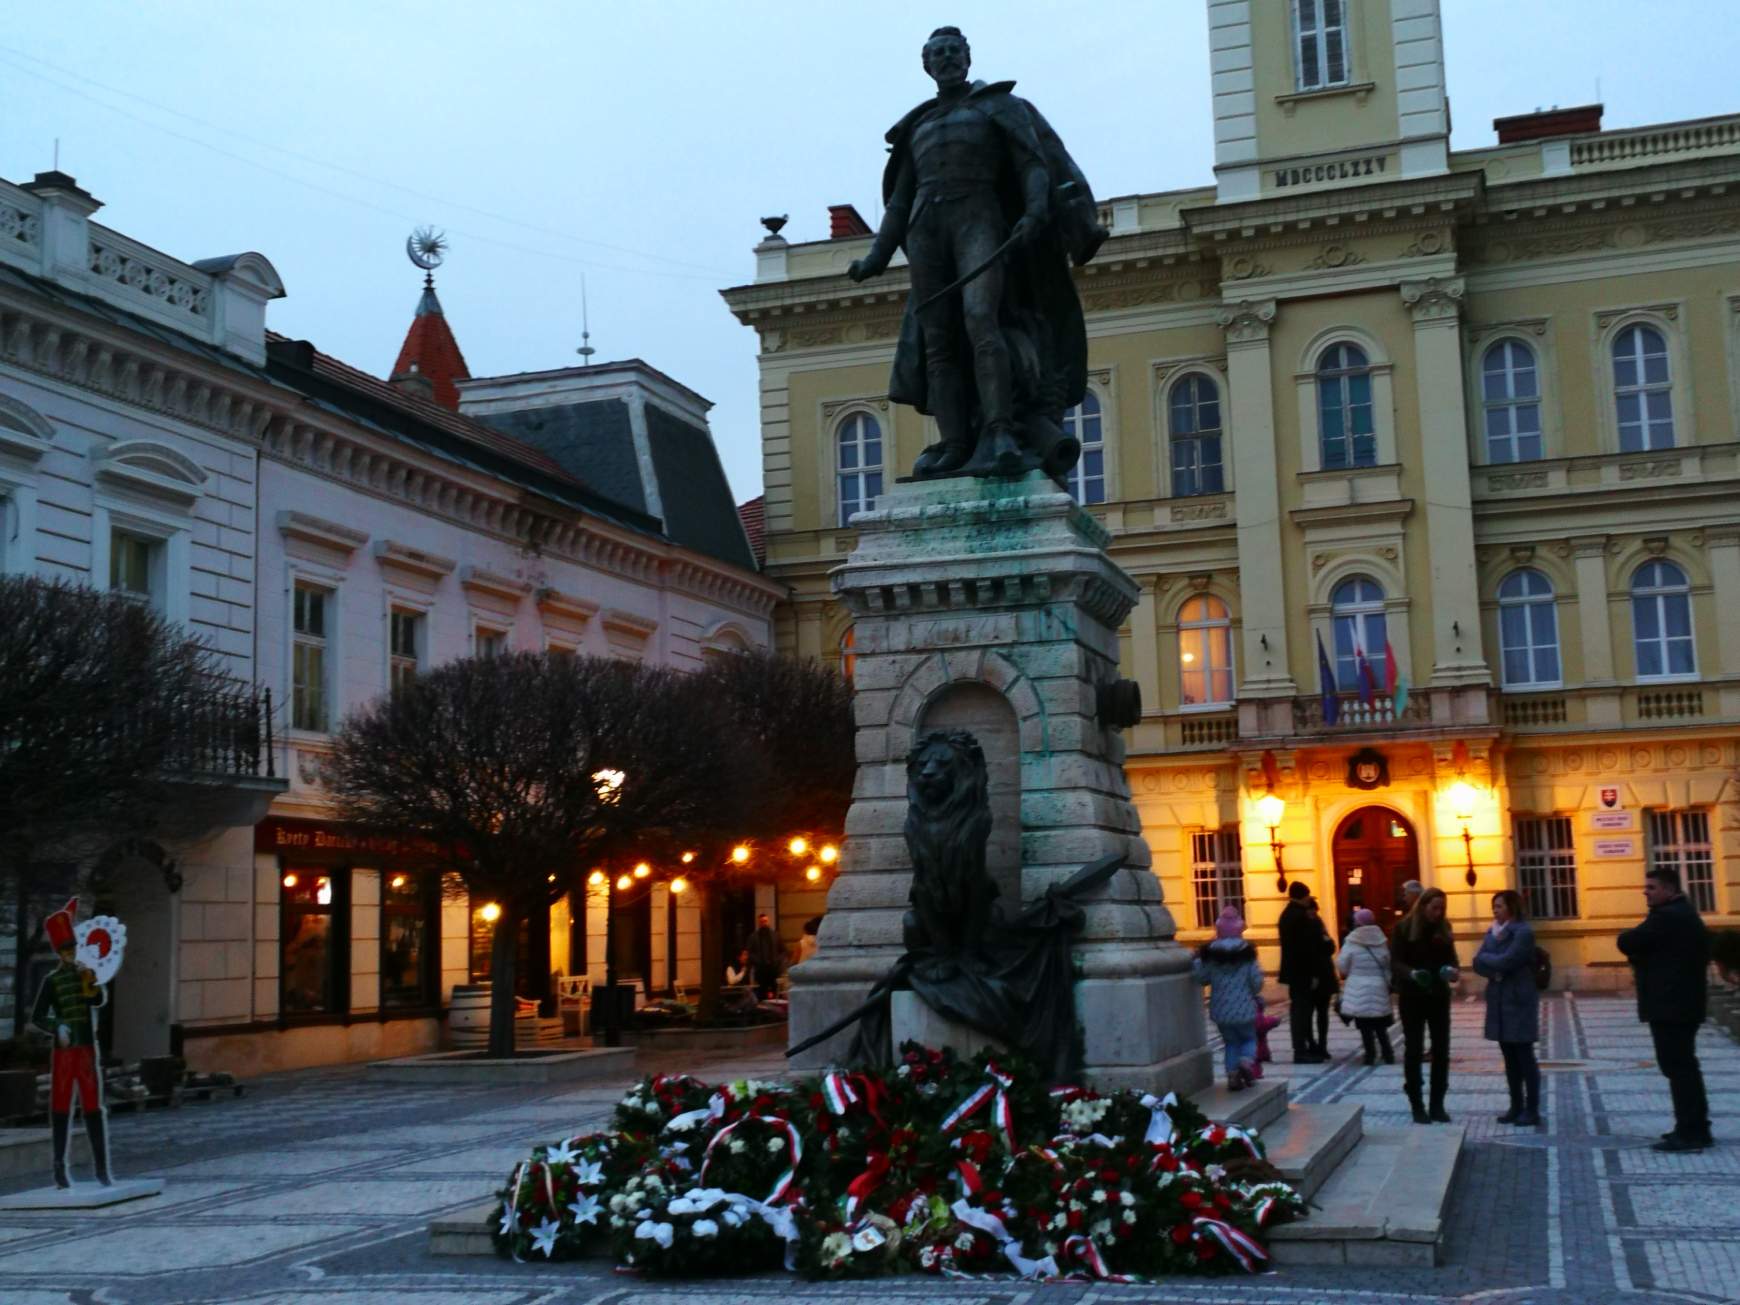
(1326, 984)
(1300, 962)
(1670, 957)
(1423, 953)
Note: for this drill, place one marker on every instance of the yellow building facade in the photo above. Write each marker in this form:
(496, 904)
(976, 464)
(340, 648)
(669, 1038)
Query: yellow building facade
(1428, 467)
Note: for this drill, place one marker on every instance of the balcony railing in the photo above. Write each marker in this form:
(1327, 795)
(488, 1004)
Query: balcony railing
(224, 734)
(1355, 714)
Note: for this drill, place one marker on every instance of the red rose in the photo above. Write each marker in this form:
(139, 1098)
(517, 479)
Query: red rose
(991, 1198)
(1205, 1249)
(1125, 1229)
(1221, 1202)
(1216, 1135)
(1109, 1175)
(1075, 1218)
(1191, 1200)
(1181, 1233)
(1057, 1184)
(1131, 1161)
(1169, 1163)
(816, 1102)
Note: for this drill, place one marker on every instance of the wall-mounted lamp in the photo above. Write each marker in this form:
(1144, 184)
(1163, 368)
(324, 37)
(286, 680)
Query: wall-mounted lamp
(1462, 798)
(1270, 808)
(1263, 641)
(1456, 628)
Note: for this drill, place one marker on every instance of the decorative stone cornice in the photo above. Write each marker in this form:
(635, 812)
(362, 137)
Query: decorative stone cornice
(1434, 300)
(318, 530)
(430, 566)
(553, 602)
(1248, 321)
(481, 580)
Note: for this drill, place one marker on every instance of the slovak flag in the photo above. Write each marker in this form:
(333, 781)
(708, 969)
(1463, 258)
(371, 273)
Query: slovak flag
(1367, 676)
(1326, 684)
(1395, 683)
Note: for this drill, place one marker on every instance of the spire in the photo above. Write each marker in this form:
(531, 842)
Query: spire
(429, 361)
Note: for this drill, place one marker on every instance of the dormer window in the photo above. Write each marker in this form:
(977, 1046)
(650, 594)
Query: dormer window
(1320, 44)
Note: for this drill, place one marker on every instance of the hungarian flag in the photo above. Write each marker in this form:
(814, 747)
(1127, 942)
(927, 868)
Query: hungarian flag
(1326, 683)
(1395, 683)
(1367, 676)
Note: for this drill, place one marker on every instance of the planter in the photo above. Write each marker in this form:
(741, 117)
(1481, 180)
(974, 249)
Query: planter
(532, 1067)
(468, 1015)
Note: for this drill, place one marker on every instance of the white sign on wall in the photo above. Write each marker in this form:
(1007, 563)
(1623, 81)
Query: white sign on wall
(1611, 821)
(1613, 849)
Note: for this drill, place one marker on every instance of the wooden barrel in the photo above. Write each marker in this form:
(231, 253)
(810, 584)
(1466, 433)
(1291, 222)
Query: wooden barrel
(468, 1016)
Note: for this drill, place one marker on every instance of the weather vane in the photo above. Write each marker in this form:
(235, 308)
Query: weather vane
(427, 248)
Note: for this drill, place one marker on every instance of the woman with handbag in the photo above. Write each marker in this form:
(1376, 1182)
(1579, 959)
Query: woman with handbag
(1424, 967)
(1506, 960)
(1365, 998)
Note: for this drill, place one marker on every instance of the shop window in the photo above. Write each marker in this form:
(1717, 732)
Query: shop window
(1205, 669)
(1546, 866)
(1642, 390)
(1194, 435)
(1510, 391)
(859, 461)
(1680, 840)
(409, 939)
(1344, 408)
(308, 660)
(1217, 873)
(1320, 44)
(1360, 630)
(1087, 479)
(405, 648)
(1661, 622)
(1528, 631)
(310, 949)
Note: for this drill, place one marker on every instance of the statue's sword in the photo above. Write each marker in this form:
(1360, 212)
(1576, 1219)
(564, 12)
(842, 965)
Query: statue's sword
(977, 272)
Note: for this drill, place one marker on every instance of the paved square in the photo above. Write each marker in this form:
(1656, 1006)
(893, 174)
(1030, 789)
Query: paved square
(318, 1187)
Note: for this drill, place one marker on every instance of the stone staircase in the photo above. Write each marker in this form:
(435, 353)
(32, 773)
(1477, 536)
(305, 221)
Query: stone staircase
(1378, 1195)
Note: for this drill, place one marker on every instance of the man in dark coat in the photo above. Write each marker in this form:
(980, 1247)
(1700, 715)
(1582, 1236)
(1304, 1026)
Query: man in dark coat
(1301, 959)
(765, 957)
(1670, 957)
(979, 190)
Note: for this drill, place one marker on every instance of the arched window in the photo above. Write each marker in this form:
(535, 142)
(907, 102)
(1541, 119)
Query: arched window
(1510, 392)
(860, 464)
(1661, 622)
(1357, 611)
(1528, 630)
(1642, 390)
(1205, 668)
(1344, 410)
(1193, 430)
(1087, 479)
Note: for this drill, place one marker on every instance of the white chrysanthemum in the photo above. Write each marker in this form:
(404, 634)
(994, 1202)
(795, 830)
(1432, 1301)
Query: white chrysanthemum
(1126, 1198)
(705, 1228)
(735, 1146)
(776, 1144)
(964, 1242)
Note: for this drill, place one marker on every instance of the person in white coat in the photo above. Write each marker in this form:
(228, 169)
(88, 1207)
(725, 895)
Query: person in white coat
(1364, 963)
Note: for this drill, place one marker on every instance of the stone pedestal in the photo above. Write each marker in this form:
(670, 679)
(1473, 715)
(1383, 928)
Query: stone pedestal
(991, 605)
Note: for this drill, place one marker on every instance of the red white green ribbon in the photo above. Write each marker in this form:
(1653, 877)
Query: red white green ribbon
(795, 1148)
(1081, 1248)
(838, 1092)
(995, 1091)
(1244, 1249)
(859, 1189)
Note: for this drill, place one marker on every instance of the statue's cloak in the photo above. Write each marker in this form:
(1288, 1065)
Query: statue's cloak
(1041, 311)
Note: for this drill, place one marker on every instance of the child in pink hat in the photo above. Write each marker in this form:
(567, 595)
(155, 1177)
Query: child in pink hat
(1228, 968)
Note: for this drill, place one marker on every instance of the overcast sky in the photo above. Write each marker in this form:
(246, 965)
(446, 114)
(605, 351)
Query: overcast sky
(638, 143)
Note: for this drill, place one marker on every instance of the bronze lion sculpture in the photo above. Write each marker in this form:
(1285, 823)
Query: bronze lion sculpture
(948, 821)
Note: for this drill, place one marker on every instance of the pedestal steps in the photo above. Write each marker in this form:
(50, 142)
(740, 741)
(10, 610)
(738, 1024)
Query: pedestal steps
(1308, 1143)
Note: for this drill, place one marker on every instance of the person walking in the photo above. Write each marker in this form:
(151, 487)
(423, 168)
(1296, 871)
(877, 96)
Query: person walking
(1424, 965)
(1670, 957)
(764, 955)
(1325, 981)
(1299, 968)
(1228, 967)
(1365, 998)
(1506, 960)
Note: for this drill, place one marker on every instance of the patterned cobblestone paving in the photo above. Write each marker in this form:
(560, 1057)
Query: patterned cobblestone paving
(318, 1187)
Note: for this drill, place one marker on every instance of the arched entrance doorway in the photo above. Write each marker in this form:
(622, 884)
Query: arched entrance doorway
(1375, 854)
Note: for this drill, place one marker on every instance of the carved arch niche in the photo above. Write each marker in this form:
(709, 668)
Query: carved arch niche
(986, 714)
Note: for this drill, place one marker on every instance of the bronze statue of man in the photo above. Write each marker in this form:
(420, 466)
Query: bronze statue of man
(990, 209)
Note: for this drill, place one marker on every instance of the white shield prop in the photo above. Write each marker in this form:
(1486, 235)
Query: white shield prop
(101, 941)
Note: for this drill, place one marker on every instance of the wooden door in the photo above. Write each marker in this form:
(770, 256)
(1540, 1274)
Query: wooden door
(1375, 854)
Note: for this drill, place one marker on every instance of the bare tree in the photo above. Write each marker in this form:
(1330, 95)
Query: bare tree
(524, 770)
(791, 739)
(104, 707)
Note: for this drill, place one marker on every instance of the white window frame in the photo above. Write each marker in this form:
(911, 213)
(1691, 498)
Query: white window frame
(398, 604)
(483, 630)
(1360, 612)
(324, 641)
(25, 437)
(1510, 403)
(1528, 602)
(1319, 39)
(170, 533)
(1383, 401)
(1341, 379)
(1659, 594)
(1546, 866)
(1693, 857)
(1207, 626)
(1077, 422)
(1217, 872)
(1642, 389)
(1191, 376)
(1667, 320)
(859, 473)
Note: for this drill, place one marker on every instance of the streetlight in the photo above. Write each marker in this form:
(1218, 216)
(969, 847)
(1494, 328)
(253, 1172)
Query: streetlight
(740, 854)
(829, 854)
(679, 885)
(623, 884)
(642, 870)
(688, 858)
(491, 912)
(1462, 799)
(799, 845)
(1270, 808)
(596, 879)
(813, 874)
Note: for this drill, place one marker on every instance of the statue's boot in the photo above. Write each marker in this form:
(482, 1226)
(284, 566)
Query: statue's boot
(97, 1129)
(62, 1131)
(942, 458)
(1003, 453)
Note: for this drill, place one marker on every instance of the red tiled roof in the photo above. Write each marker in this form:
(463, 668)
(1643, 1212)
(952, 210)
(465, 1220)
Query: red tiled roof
(431, 351)
(753, 515)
